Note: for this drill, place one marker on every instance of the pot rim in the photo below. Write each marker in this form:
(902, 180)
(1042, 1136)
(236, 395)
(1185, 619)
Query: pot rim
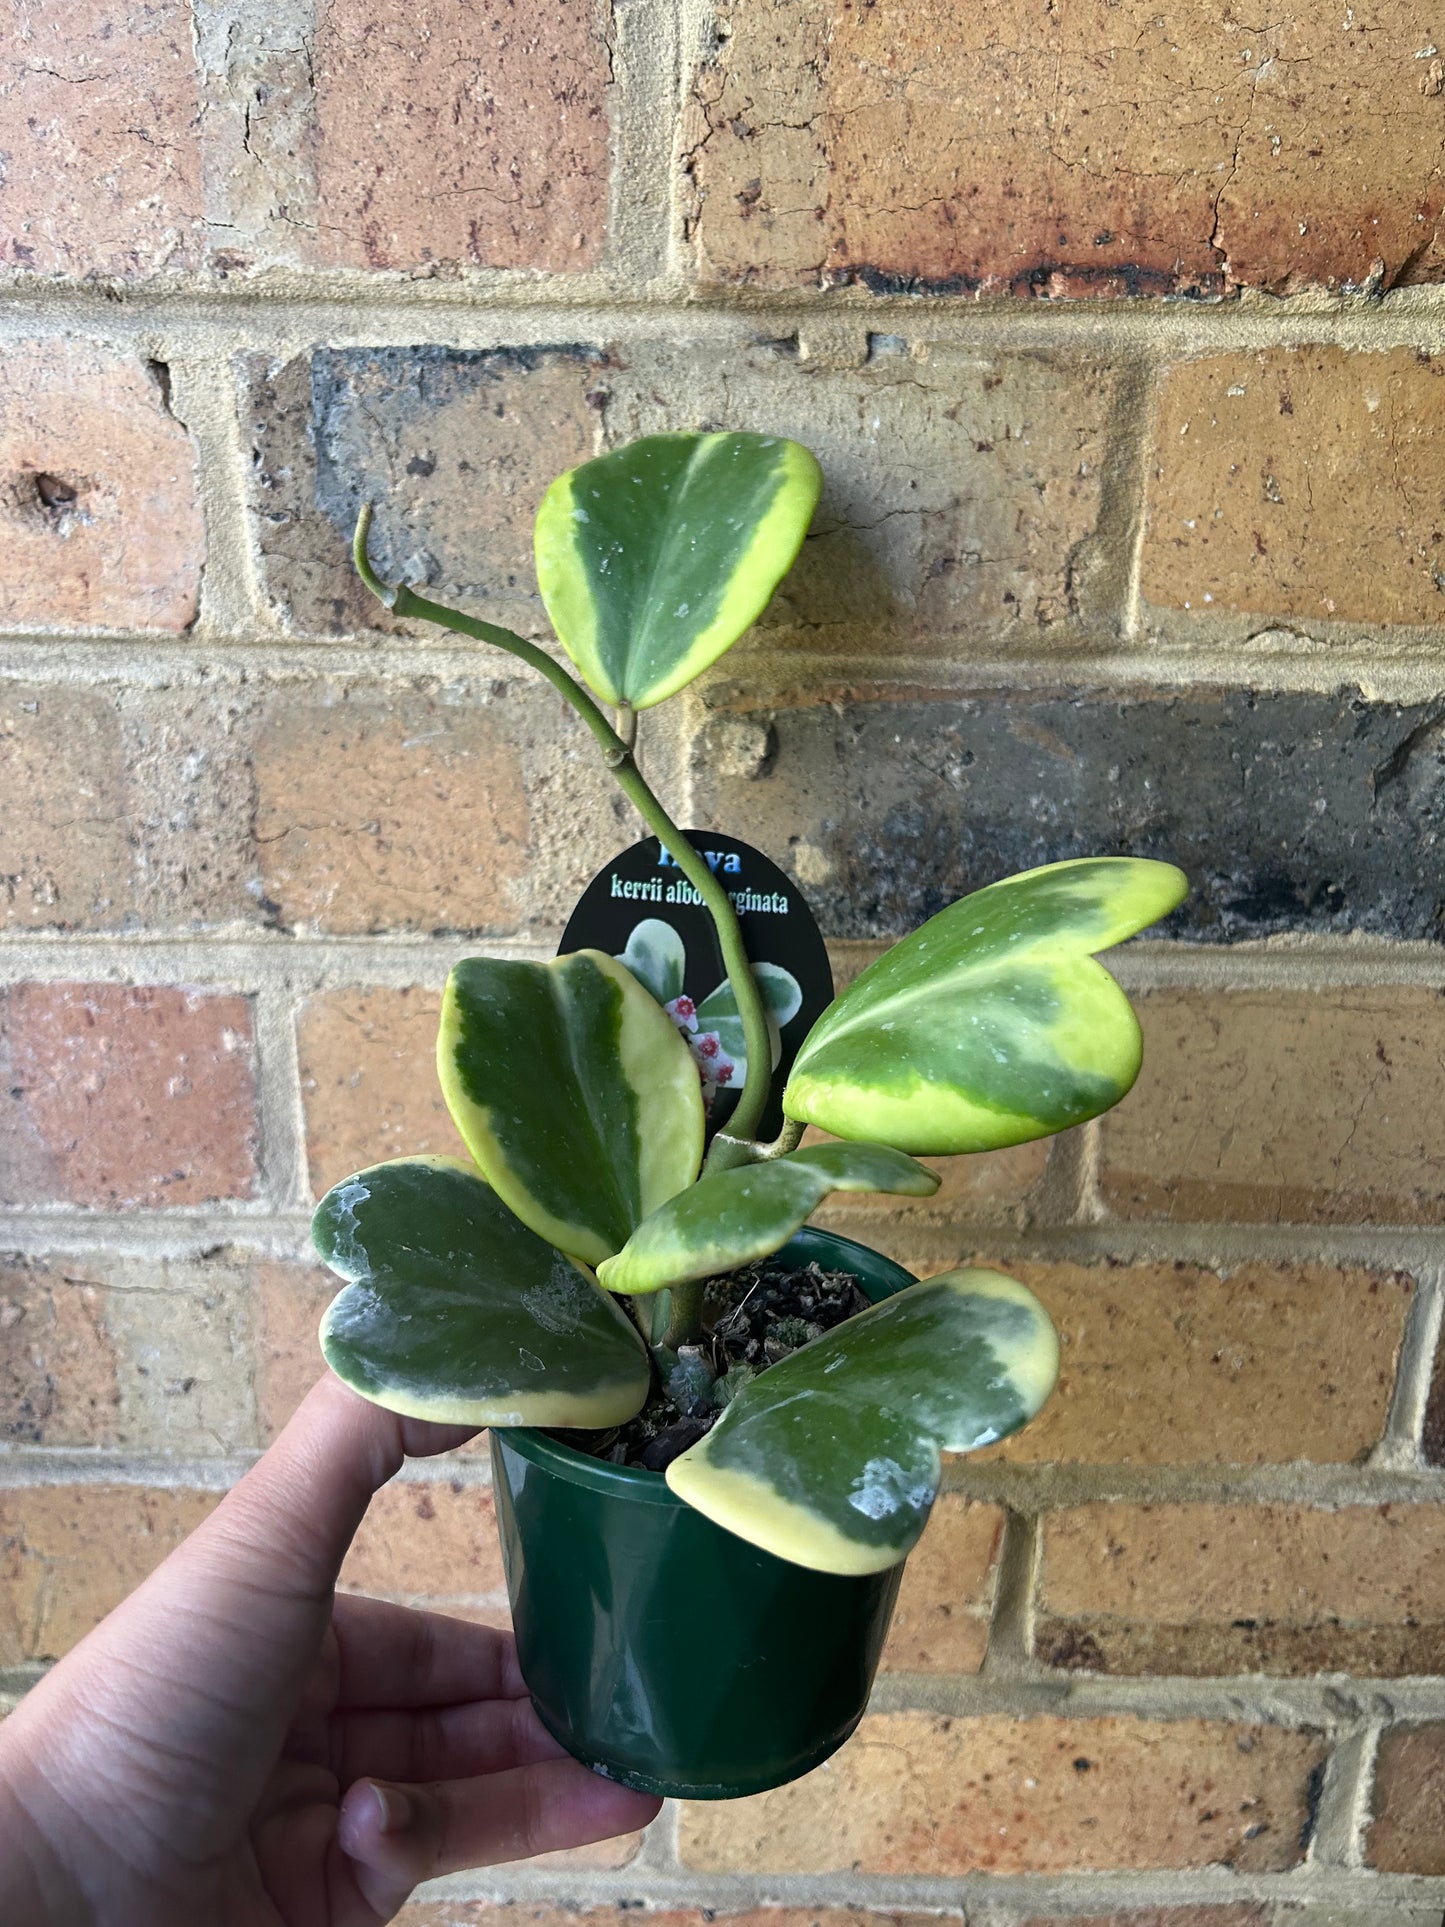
(635, 1482)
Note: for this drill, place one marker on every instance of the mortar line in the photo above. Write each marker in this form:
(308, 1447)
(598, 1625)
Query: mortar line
(1010, 1633)
(281, 1123)
(29, 1467)
(646, 57)
(231, 603)
(1332, 1838)
(1402, 1443)
(1119, 521)
(1363, 1794)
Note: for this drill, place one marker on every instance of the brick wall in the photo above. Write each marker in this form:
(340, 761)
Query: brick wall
(1120, 335)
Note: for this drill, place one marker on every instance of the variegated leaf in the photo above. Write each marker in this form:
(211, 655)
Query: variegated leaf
(654, 559)
(730, 1218)
(831, 1457)
(453, 1310)
(992, 1024)
(574, 1093)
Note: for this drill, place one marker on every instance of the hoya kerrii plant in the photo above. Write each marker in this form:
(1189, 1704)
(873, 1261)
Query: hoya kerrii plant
(548, 1281)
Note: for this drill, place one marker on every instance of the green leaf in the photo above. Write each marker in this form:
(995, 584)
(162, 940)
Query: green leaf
(992, 1024)
(654, 559)
(830, 1458)
(455, 1311)
(574, 1093)
(657, 957)
(729, 1218)
(782, 999)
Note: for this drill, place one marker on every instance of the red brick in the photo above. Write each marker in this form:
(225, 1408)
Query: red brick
(1407, 1833)
(99, 504)
(927, 1794)
(1196, 1589)
(495, 155)
(368, 1081)
(1282, 1107)
(1100, 148)
(436, 1539)
(1174, 1364)
(1300, 483)
(103, 172)
(123, 1097)
(70, 1553)
(940, 1624)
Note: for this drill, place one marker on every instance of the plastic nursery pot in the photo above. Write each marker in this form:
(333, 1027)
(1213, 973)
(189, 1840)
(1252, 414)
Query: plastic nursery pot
(667, 1653)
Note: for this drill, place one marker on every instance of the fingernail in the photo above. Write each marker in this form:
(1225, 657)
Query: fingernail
(393, 1806)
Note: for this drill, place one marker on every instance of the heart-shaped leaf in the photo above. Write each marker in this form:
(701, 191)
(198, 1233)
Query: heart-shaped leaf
(830, 1458)
(731, 1217)
(657, 958)
(992, 1024)
(654, 559)
(573, 1091)
(454, 1310)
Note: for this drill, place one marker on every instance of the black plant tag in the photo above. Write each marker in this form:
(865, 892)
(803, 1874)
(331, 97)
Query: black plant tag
(641, 909)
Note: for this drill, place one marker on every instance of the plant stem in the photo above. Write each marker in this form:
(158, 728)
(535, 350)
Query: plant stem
(685, 1326)
(617, 753)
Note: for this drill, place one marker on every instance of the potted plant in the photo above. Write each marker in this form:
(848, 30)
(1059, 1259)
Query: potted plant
(708, 1621)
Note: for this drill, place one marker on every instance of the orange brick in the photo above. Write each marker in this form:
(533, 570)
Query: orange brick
(923, 1793)
(940, 1624)
(1407, 1833)
(70, 1553)
(1298, 482)
(1195, 1589)
(58, 1374)
(126, 1097)
(100, 511)
(1282, 1107)
(368, 1079)
(390, 812)
(437, 1539)
(496, 156)
(152, 1355)
(1176, 1364)
(103, 170)
(1101, 148)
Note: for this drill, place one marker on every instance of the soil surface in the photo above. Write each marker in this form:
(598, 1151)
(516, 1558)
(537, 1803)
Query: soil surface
(755, 1318)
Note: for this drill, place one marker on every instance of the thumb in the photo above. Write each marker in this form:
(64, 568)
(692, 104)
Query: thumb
(397, 1836)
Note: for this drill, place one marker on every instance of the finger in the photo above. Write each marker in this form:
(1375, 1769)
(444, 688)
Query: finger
(395, 1656)
(397, 1836)
(440, 1743)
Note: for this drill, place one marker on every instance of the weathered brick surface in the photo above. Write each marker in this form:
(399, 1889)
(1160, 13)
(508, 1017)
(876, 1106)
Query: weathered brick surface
(1108, 149)
(961, 490)
(121, 1097)
(486, 1913)
(1274, 1106)
(438, 1539)
(1244, 1913)
(152, 1356)
(99, 506)
(1288, 811)
(69, 1553)
(290, 1301)
(102, 172)
(455, 449)
(368, 1081)
(495, 156)
(1240, 1589)
(1407, 1832)
(1175, 1364)
(940, 1624)
(65, 854)
(1299, 483)
(922, 1793)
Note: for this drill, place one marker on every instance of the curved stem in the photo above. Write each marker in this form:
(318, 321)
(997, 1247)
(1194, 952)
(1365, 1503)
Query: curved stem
(617, 753)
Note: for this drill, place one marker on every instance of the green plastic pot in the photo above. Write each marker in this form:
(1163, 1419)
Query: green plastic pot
(663, 1651)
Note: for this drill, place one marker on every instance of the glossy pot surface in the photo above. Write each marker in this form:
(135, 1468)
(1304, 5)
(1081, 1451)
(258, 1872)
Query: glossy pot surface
(663, 1651)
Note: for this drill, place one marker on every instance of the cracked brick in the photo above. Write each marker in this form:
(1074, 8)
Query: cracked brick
(1108, 148)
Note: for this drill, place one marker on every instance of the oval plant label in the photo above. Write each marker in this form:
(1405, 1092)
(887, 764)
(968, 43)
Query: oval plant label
(642, 910)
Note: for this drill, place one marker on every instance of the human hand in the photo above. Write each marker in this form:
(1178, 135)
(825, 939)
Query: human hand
(236, 1745)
